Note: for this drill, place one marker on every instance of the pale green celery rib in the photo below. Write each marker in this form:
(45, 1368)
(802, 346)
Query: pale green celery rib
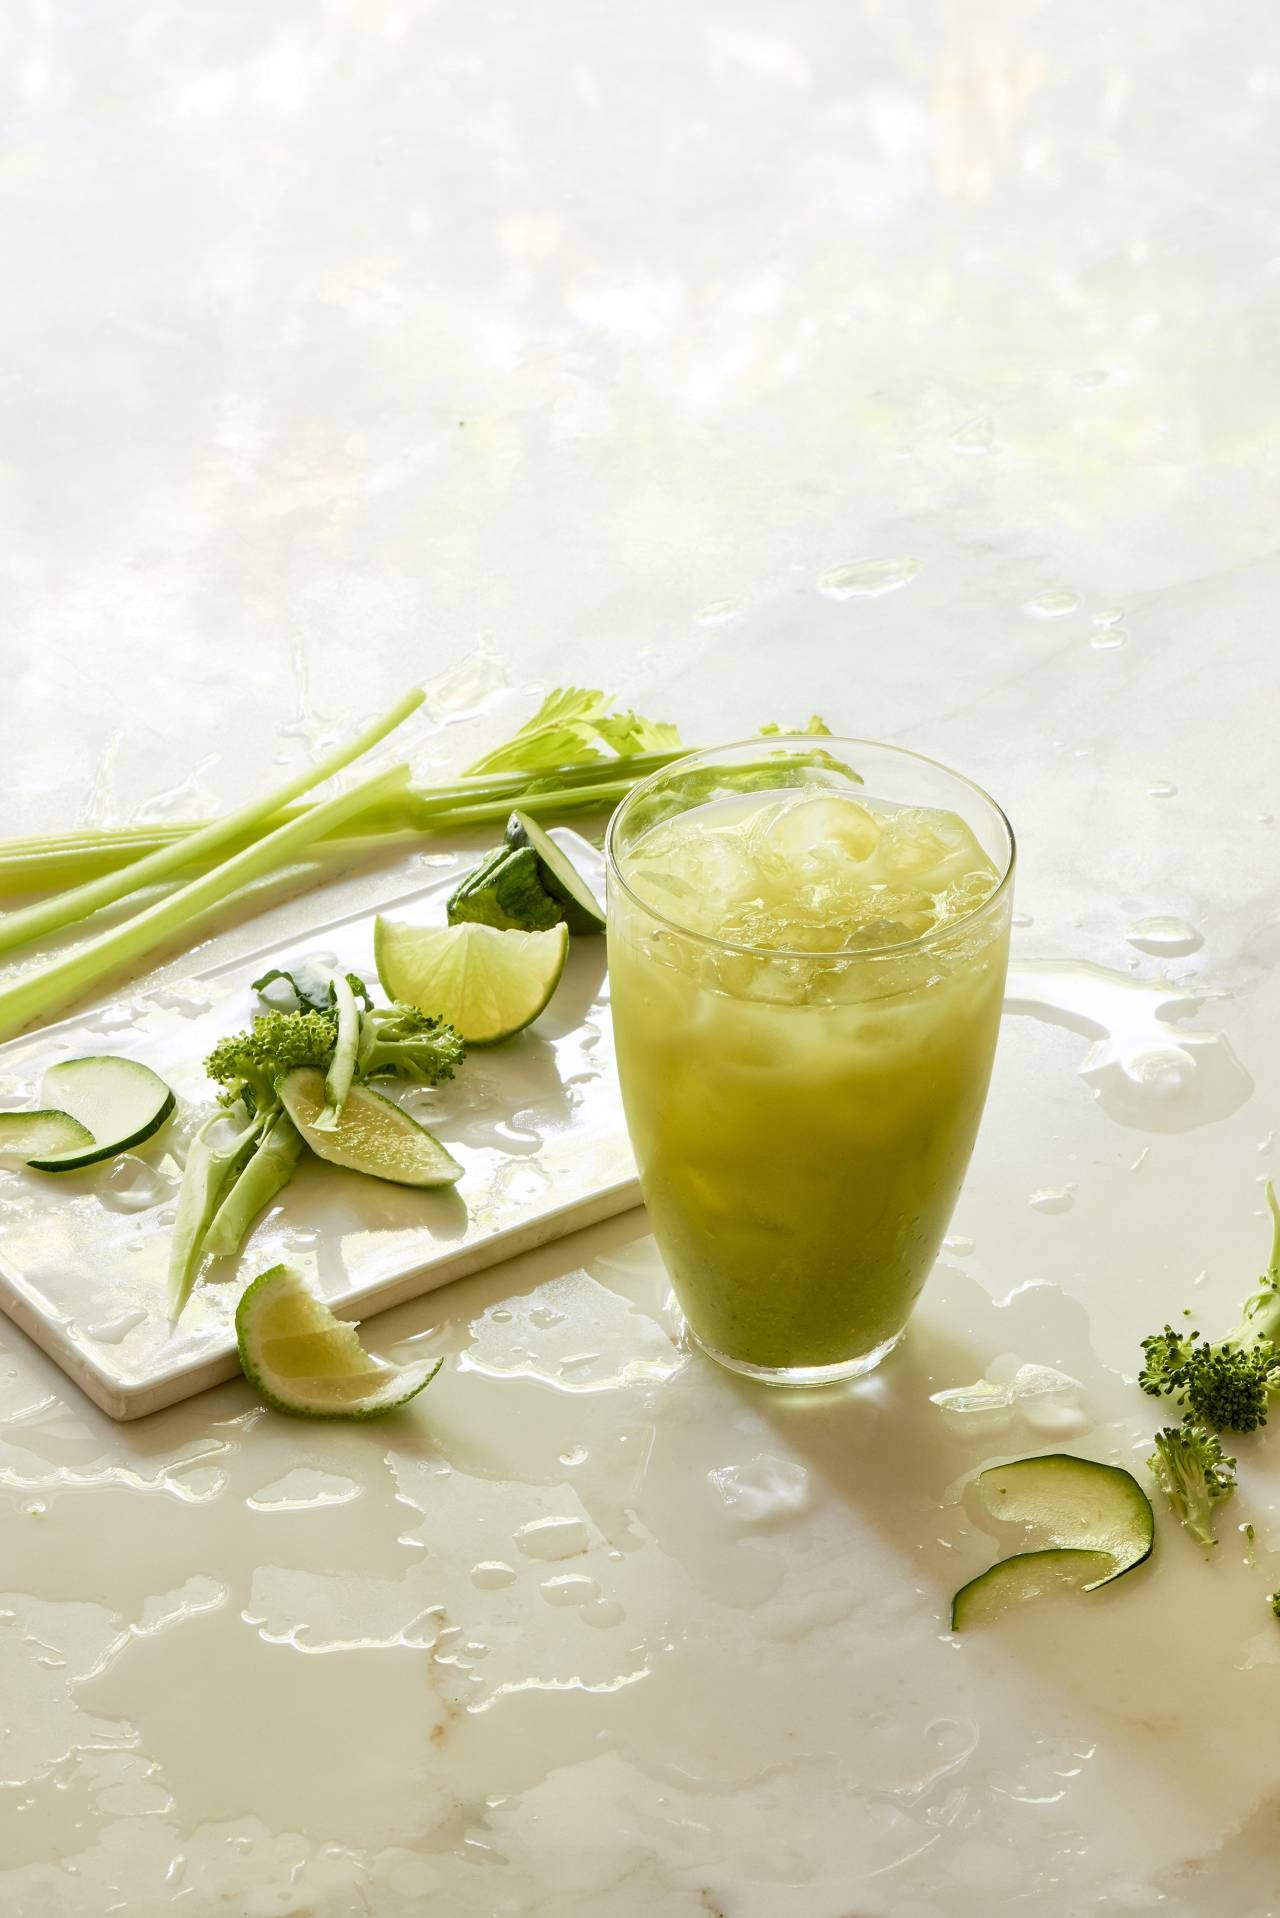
(35, 865)
(37, 994)
(209, 842)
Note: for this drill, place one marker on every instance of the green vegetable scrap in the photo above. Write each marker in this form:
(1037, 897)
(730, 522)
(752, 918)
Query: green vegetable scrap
(1224, 1384)
(505, 891)
(248, 1151)
(1194, 1474)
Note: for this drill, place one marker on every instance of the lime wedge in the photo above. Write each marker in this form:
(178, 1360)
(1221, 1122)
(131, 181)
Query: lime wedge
(488, 984)
(304, 1361)
(373, 1134)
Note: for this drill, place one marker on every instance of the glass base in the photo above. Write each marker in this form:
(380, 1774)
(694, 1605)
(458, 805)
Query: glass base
(801, 1375)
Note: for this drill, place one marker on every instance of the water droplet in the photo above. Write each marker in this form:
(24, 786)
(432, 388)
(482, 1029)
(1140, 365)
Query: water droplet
(1052, 605)
(1162, 789)
(868, 578)
(1109, 616)
(960, 1248)
(1052, 1199)
(605, 1612)
(1108, 638)
(1141, 1159)
(1170, 937)
(1265, 1145)
(491, 1574)
(1022, 920)
(112, 1331)
(974, 437)
(719, 612)
(132, 1185)
(576, 1455)
(1266, 818)
(188, 799)
(569, 1588)
(553, 1538)
(762, 1490)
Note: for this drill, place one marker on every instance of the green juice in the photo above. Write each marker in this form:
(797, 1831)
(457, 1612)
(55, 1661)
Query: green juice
(806, 990)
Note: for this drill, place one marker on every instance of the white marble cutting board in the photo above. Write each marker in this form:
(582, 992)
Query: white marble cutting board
(536, 1123)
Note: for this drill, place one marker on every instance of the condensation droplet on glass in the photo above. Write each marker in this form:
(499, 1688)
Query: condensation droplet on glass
(1022, 920)
(960, 1248)
(1162, 789)
(1108, 639)
(1109, 616)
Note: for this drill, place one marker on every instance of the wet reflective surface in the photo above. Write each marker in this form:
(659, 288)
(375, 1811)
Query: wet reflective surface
(918, 371)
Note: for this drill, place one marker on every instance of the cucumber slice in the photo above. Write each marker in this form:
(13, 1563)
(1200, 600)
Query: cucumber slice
(1063, 1501)
(36, 1135)
(505, 891)
(1026, 1576)
(580, 909)
(306, 1362)
(488, 985)
(373, 1134)
(118, 1102)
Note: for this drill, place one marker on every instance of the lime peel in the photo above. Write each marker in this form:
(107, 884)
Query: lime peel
(304, 1361)
(487, 984)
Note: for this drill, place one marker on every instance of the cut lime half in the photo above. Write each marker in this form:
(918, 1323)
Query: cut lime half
(304, 1361)
(488, 984)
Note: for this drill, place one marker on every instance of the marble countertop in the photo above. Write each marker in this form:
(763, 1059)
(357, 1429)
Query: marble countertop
(914, 365)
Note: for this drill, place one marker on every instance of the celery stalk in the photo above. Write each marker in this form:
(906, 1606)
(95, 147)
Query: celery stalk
(206, 844)
(36, 994)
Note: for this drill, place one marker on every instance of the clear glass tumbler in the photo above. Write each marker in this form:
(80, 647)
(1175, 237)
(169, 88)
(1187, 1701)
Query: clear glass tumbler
(803, 1076)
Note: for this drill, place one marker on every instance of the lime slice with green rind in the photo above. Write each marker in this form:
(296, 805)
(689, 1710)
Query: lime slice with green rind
(373, 1134)
(304, 1361)
(487, 984)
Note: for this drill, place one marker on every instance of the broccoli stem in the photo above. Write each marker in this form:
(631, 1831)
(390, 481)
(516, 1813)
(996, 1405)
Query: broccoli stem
(270, 1168)
(342, 1066)
(205, 845)
(38, 993)
(212, 1160)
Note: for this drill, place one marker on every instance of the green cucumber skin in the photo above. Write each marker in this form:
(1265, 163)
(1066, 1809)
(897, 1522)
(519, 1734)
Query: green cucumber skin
(20, 1122)
(77, 1160)
(968, 1605)
(580, 918)
(1116, 1475)
(506, 891)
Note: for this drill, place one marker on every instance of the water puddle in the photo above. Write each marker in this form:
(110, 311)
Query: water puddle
(1145, 1067)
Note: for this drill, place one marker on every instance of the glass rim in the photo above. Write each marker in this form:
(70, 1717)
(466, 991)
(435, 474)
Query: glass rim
(815, 742)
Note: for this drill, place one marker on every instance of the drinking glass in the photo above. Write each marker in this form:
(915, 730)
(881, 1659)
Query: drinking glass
(802, 1115)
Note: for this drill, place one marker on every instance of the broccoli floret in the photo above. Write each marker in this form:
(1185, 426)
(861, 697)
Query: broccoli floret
(1273, 1599)
(1194, 1474)
(1228, 1390)
(1225, 1384)
(400, 1042)
(249, 1065)
(1167, 1360)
